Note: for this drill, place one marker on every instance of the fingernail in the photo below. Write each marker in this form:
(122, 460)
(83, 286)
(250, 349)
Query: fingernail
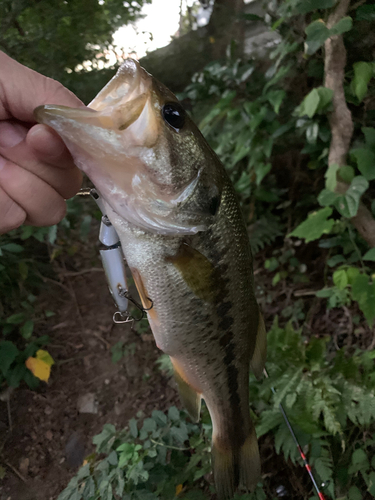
(9, 135)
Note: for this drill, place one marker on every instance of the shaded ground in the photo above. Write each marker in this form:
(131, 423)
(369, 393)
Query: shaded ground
(49, 437)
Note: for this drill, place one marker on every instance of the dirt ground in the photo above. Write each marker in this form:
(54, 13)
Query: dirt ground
(43, 435)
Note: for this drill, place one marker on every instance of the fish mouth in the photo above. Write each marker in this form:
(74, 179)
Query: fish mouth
(122, 112)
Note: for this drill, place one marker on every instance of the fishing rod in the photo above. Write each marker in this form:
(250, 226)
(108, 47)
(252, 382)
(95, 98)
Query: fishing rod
(303, 456)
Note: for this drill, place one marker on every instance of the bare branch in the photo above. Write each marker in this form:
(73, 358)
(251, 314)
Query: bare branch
(340, 119)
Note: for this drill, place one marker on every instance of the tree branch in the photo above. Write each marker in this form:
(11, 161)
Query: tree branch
(340, 119)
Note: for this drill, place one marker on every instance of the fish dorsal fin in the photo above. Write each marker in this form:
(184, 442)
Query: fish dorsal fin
(259, 357)
(196, 270)
(189, 396)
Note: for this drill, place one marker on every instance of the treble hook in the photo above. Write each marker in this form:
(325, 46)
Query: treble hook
(126, 295)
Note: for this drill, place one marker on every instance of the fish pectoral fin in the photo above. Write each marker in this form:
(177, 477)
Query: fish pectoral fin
(196, 270)
(259, 356)
(190, 398)
(235, 466)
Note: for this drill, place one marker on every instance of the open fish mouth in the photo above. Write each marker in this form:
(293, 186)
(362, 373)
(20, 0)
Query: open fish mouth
(123, 102)
(117, 141)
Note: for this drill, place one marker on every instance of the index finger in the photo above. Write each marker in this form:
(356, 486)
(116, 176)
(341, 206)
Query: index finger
(22, 90)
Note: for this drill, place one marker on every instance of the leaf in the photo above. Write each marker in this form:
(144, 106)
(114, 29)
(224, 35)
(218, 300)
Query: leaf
(370, 255)
(316, 34)
(52, 234)
(310, 104)
(325, 97)
(173, 414)
(365, 159)
(306, 6)
(16, 319)
(331, 177)
(345, 24)
(149, 425)
(12, 248)
(316, 224)
(348, 203)
(369, 134)
(327, 198)
(354, 493)
(340, 279)
(363, 72)
(133, 427)
(275, 98)
(346, 173)
(40, 366)
(8, 353)
(27, 329)
(364, 293)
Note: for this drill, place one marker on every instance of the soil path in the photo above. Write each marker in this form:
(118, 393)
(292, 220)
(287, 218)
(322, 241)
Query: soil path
(48, 437)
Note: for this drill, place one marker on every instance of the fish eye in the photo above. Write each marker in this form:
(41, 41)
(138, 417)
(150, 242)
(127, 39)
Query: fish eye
(174, 114)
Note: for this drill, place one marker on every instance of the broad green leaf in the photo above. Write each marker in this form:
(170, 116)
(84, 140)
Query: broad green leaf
(345, 24)
(27, 329)
(363, 292)
(340, 279)
(352, 273)
(8, 353)
(331, 177)
(149, 425)
(12, 248)
(16, 319)
(325, 97)
(354, 493)
(363, 72)
(316, 224)
(370, 255)
(348, 203)
(173, 414)
(310, 104)
(275, 98)
(316, 34)
(346, 173)
(369, 134)
(365, 159)
(305, 6)
(327, 198)
(337, 259)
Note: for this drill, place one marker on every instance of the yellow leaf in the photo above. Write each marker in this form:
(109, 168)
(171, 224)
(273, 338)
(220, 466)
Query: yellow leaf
(179, 488)
(40, 366)
(45, 356)
(212, 39)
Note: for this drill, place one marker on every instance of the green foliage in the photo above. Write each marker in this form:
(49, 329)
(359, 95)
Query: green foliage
(315, 226)
(153, 459)
(317, 33)
(328, 396)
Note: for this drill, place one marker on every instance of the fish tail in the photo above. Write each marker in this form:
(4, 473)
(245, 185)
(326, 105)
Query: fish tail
(235, 465)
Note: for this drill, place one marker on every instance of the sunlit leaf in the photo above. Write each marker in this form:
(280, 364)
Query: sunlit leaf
(40, 365)
(316, 224)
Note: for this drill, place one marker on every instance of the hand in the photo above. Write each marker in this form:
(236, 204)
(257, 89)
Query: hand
(37, 172)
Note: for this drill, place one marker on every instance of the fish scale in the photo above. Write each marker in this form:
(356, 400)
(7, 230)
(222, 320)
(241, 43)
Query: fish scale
(185, 241)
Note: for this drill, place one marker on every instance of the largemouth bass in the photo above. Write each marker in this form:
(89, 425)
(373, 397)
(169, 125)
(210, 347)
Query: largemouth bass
(185, 241)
